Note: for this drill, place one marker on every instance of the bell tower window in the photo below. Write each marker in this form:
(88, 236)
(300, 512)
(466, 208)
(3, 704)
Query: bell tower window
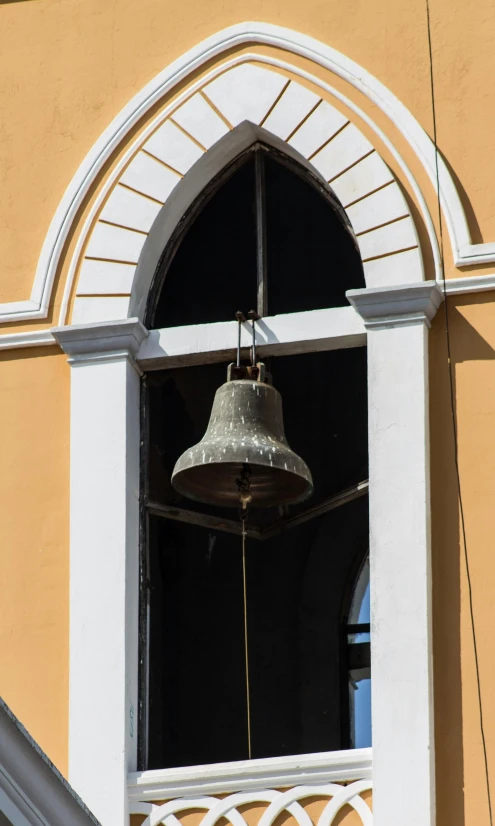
(271, 236)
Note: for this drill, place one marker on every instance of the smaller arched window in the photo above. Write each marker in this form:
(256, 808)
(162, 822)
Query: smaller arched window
(359, 660)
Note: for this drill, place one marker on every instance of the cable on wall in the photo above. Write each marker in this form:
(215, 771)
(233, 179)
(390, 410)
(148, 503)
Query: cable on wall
(454, 420)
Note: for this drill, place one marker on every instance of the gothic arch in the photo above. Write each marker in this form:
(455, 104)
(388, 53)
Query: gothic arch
(187, 200)
(173, 163)
(464, 251)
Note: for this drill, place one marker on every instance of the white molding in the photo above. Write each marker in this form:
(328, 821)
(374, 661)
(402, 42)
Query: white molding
(161, 343)
(397, 322)
(322, 130)
(104, 562)
(21, 310)
(240, 34)
(474, 254)
(244, 775)
(469, 284)
(38, 338)
(32, 791)
(101, 342)
(332, 329)
(398, 306)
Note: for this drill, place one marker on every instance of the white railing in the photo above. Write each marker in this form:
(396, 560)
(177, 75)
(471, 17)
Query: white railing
(336, 779)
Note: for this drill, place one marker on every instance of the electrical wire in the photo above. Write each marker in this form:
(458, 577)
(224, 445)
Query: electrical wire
(454, 420)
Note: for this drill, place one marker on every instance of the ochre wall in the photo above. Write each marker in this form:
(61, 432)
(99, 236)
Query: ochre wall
(34, 492)
(66, 69)
(461, 781)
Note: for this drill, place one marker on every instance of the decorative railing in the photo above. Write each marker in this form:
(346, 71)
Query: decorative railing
(208, 794)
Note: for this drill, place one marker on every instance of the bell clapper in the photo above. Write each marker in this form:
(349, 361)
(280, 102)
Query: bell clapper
(244, 487)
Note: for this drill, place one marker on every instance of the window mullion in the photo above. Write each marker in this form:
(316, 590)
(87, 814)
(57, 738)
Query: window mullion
(260, 202)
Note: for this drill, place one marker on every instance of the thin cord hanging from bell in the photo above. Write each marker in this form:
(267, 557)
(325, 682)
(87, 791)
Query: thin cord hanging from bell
(246, 654)
(245, 497)
(243, 486)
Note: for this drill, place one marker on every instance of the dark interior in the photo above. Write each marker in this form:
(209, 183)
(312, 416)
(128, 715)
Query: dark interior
(298, 583)
(193, 691)
(312, 258)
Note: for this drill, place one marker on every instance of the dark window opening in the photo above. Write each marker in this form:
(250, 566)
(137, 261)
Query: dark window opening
(269, 237)
(297, 582)
(307, 257)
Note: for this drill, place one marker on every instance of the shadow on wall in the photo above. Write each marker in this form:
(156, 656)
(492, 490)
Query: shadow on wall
(474, 227)
(467, 345)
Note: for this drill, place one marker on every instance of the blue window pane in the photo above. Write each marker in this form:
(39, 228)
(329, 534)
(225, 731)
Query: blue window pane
(360, 676)
(364, 608)
(360, 604)
(360, 636)
(360, 707)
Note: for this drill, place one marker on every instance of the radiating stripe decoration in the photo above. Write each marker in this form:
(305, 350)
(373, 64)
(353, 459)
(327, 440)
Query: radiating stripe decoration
(319, 131)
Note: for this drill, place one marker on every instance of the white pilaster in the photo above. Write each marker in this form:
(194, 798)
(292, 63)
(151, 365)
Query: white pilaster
(397, 321)
(104, 562)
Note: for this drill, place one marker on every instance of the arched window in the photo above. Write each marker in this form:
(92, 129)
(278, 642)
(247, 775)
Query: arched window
(269, 234)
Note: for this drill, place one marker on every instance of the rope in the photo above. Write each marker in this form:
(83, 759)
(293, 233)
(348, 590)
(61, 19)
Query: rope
(246, 655)
(245, 498)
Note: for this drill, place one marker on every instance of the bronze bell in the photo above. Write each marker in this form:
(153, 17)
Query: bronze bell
(245, 432)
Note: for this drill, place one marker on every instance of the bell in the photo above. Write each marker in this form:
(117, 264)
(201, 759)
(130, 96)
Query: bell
(245, 435)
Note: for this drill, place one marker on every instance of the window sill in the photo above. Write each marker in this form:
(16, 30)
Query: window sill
(245, 775)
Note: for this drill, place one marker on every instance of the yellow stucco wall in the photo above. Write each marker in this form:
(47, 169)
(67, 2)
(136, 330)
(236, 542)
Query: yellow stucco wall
(460, 766)
(34, 495)
(67, 67)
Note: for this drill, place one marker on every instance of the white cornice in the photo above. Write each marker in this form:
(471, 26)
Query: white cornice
(38, 338)
(271, 772)
(250, 32)
(469, 284)
(101, 342)
(407, 304)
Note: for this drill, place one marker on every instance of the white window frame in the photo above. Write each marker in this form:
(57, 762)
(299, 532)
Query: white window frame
(107, 360)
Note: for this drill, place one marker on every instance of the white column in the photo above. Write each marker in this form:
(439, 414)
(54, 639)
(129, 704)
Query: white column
(397, 321)
(104, 562)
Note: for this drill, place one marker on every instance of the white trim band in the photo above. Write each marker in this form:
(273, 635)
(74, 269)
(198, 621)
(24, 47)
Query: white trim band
(271, 772)
(398, 306)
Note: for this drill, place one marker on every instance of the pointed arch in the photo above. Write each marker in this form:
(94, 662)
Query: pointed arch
(114, 236)
(464, 251)
(204, 178)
